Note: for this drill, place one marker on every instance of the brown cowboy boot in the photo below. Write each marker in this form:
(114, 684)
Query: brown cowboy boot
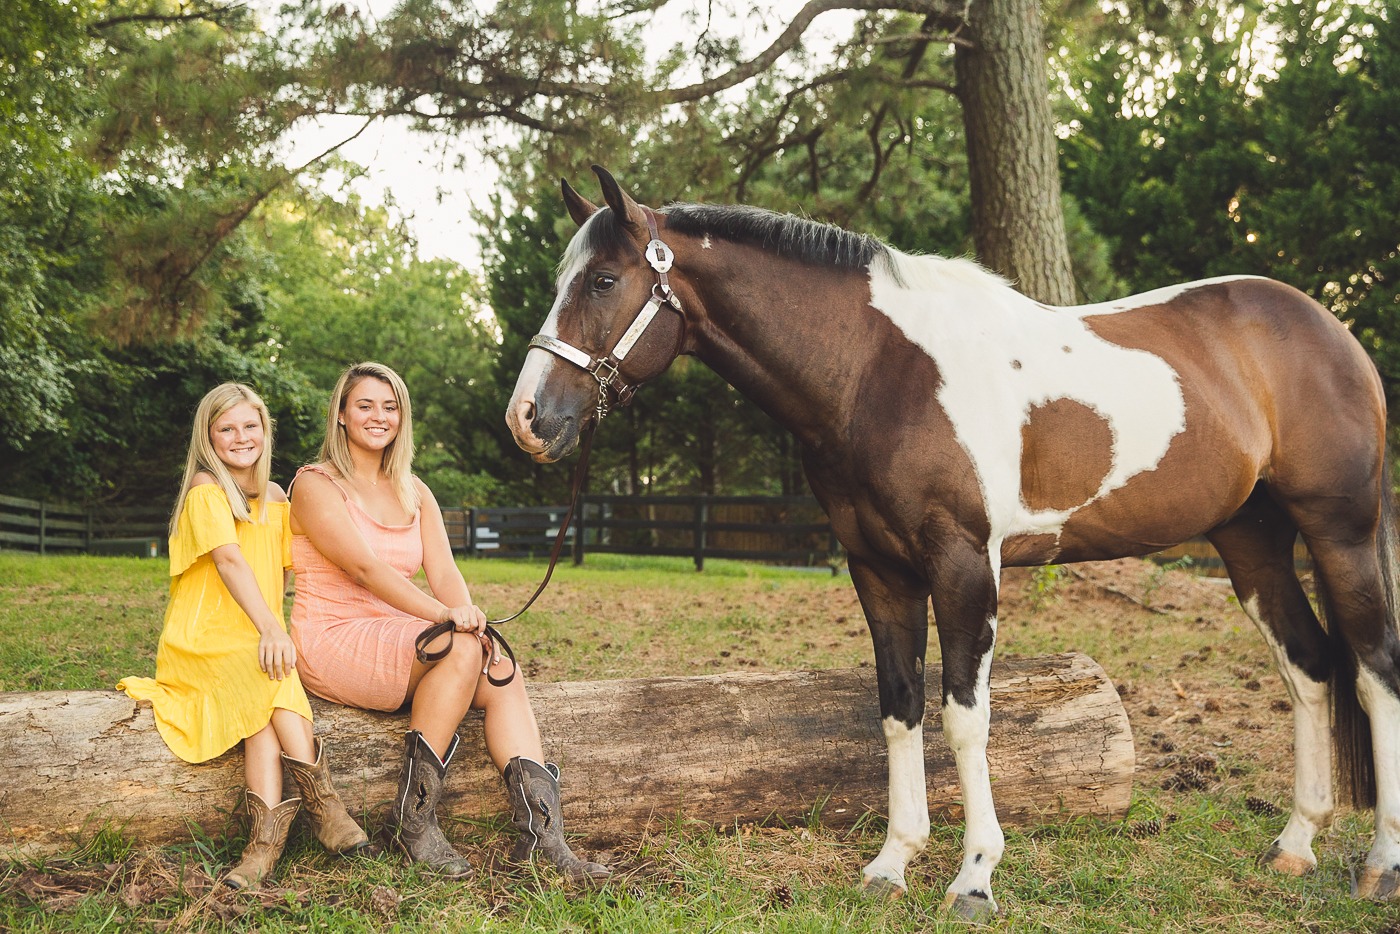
(534, 803)
(330, 822)
(267, 835)
(413, 822)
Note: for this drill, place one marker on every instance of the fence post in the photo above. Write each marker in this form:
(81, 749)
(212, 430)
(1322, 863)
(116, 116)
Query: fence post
(43, 525)
(469, 534)
(87, 531)
(833, 548)
(702, 515)
(581, 511)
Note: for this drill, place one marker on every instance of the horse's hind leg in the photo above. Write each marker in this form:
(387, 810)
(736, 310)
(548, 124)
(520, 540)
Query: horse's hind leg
(1347, 520)
(1256, 545)
(1355, 577)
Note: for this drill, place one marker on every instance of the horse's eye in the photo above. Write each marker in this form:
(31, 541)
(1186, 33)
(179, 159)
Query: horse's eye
(603, 282)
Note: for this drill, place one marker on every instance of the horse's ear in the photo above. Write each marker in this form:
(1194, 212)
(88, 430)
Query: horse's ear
(580, 208)
(623, 206)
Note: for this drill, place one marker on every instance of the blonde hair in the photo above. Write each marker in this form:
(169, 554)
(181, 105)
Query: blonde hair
(397, 460)
(201, 456)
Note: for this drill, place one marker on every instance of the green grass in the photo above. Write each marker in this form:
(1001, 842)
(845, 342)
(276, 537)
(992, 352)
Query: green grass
(1180, 861)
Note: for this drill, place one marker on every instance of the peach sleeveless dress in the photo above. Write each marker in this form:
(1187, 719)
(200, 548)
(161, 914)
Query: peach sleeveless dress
(352, 647)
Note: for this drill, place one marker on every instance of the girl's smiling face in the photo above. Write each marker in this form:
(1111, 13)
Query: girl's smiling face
(371, 415)
(238, 438)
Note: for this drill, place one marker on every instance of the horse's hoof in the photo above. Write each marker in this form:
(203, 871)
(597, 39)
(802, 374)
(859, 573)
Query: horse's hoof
(1377, 885)
(880, 887)
(1290, 864)
(975, 909)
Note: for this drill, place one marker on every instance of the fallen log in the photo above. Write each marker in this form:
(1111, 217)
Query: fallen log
(719, 749)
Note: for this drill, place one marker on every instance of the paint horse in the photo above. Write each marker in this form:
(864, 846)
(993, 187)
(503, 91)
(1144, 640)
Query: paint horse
(950, 426)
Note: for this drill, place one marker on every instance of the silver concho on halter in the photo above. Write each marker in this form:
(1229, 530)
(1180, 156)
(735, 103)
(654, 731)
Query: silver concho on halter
(664, 257)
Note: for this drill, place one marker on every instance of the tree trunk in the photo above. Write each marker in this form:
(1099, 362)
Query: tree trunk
(1018, 224)
(720, 749)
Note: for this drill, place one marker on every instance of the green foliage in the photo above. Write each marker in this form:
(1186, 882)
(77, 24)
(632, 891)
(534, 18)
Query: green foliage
(1250, 140)
(152, 243)
(1045, 582)
(343, 285)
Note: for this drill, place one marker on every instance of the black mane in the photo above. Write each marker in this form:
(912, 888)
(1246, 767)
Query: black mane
(806, 241)
(784, 235)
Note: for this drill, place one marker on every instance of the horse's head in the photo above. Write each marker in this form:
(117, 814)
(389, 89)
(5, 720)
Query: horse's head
(615, 325)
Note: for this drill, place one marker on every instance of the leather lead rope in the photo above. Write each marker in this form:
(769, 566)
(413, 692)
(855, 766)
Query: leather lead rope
(420, 645)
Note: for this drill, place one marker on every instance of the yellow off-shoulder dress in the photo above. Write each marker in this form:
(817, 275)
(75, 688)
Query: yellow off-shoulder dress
(209, 693)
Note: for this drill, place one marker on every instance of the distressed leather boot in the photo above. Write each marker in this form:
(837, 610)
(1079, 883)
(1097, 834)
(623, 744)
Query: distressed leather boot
(267, 835)
(533, 790)
(330, 822)
(413, 822)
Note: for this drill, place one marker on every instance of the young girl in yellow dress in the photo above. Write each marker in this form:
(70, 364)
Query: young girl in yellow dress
(225, 666)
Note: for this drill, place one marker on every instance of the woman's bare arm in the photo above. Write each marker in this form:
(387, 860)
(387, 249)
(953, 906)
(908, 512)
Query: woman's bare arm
(319, 513)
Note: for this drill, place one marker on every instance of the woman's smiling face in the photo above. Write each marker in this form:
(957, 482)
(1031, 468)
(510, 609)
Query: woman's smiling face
(370, 415)
(238, 437)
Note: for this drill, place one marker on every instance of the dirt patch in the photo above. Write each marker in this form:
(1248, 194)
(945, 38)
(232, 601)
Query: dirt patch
(1206, 706)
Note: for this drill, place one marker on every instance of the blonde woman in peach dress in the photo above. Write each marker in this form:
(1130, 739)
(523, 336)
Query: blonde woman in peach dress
(362, 527)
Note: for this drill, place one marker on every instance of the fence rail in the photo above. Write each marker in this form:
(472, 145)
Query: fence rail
(36, 525)
(790, 530)
(786, 529)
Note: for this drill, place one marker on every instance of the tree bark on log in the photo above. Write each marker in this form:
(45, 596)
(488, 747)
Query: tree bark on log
(719, 749)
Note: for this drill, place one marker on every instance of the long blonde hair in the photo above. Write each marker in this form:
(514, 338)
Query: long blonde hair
(397, 459)
(201, 456)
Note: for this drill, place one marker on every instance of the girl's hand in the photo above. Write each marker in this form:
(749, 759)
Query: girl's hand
(466, 618)
(277, 654)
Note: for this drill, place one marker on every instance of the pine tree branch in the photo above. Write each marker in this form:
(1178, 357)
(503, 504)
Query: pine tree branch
(215, 14)
(948, 15)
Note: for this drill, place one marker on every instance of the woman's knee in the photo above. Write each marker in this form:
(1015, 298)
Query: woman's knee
(465, 655)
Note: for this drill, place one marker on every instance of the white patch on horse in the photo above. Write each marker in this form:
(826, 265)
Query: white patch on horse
(1383, 707)
(1313, 802)
(1001, 354)
(967, 730)
(539, 363)
(705, 243)
(907, 832)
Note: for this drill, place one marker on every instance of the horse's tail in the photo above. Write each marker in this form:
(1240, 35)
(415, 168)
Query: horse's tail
(1351, 727)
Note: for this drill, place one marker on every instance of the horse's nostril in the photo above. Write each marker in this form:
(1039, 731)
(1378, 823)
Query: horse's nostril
(527, 411)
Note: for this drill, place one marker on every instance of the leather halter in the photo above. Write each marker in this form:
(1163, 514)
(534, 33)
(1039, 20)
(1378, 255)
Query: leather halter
(605, 369)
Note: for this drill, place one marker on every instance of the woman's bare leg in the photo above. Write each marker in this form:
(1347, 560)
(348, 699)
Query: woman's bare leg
(444, 691)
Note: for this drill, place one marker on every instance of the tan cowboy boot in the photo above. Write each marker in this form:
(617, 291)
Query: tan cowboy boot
(267, 835)
(330, 822)
(413, 821)
(533, 790)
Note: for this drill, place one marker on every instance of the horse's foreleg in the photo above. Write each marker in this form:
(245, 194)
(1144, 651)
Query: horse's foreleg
(896, 607)
(964, 607)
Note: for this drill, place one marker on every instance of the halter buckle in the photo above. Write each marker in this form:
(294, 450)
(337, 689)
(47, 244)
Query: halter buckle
(604, 371)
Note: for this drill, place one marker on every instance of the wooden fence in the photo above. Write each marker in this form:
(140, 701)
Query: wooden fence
(35, 525)
(789, 530)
